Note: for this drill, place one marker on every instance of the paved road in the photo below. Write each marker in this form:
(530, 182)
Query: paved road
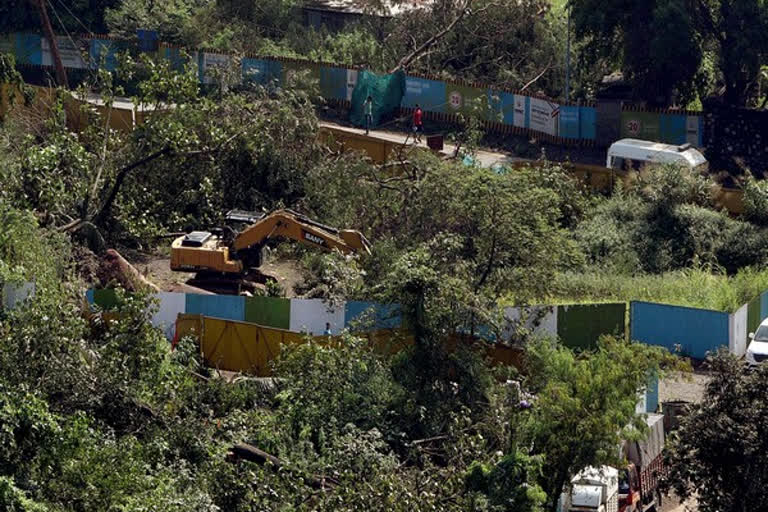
(485, 158)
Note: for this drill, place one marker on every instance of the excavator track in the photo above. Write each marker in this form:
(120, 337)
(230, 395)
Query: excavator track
(254, 282)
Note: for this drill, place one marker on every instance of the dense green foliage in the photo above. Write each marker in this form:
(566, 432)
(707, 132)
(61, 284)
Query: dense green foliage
(669, 49)
(718, 454)
(98, 413)
(671, 52)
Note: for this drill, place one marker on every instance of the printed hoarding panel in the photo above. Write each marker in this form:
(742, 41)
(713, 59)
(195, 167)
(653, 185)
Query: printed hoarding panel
(543, 116)
(465, 100)
(74, 52)
(428, 94)
(570, 123)
(521, 111)
(333, 83)
(640, 125)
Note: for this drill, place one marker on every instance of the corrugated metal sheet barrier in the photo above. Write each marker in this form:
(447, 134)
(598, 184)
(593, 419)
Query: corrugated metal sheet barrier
(508, 111)
(689, 331)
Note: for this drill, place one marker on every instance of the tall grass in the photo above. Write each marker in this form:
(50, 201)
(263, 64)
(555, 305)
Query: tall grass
(697, 288)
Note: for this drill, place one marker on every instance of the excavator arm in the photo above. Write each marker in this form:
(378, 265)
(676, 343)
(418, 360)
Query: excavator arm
(206, 251)
(289, 224)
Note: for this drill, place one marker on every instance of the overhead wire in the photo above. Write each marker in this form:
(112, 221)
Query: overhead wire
(71, 39)
(74, 16)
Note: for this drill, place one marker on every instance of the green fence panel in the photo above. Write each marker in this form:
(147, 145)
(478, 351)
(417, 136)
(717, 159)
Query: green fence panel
(105, 298)
(461, 99)
(268, 311)
(580, 326)
(641, 125)
(754, 316)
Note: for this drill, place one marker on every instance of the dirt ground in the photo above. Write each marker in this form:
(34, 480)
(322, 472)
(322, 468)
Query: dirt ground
(157, 268)
(688, 387)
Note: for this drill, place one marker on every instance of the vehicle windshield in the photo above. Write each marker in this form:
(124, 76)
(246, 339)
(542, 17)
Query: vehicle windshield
(762, 333)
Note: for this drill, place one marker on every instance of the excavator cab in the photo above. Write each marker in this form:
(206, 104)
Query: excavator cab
(229, 252)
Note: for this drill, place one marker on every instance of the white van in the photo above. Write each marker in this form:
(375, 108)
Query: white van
(633, 154)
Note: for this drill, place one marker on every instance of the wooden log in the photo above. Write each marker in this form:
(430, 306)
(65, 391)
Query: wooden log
(131, 279)
(251, 453)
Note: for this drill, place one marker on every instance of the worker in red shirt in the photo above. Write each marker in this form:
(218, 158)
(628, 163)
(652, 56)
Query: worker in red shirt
(418, 124)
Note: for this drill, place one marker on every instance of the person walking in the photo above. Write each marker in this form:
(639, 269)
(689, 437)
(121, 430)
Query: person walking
(418, 123)
(368, 111)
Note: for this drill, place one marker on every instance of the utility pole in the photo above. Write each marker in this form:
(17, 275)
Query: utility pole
(568, 56)
(61, 73)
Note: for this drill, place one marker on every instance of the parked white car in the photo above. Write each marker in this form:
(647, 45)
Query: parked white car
(757, 352)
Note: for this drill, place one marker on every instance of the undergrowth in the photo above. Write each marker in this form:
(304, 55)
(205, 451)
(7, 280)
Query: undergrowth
(695, 287)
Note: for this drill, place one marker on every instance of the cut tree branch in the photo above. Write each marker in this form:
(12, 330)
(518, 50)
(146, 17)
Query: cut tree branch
(121, 175)
(420, 50)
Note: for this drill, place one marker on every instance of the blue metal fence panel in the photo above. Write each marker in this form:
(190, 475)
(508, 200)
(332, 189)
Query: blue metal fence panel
(29, 49)
(261, 71)
(428, 94)
(229, 307)
(672, 128)
(505, 106)
(692, 332)
(763, 306)
(178, 58)
(104, 53)
(570, 123)
(383, 316)
(333, 83)
(587, 121)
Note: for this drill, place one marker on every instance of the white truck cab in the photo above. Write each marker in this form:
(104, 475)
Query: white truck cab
(633, 154)
(593, 490)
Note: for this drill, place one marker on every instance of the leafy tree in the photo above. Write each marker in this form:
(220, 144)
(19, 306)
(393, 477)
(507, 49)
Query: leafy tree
(661, 46)
(74, 16)
(594, 395)
(719, 454)
(656, 43)
(738, 30)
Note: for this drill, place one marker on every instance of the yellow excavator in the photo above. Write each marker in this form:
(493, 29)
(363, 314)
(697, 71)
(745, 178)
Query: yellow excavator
(228, 252)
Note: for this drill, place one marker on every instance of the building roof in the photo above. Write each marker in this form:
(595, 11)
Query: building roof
(387, 7)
